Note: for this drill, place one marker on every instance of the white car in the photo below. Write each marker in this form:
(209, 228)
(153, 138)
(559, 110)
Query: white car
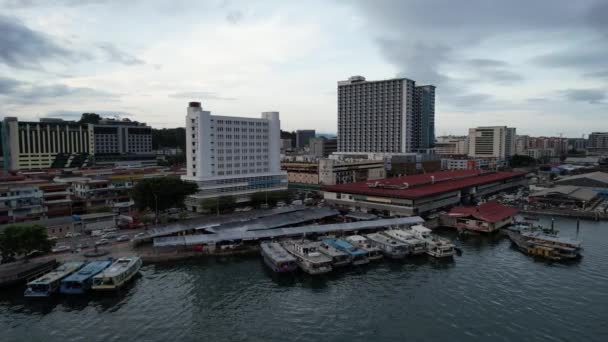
(247, 209)
(52, 238)
(102, 242)
(61, 249)
(108, 235)
(108, 230)
(138, 235)
(122, 238)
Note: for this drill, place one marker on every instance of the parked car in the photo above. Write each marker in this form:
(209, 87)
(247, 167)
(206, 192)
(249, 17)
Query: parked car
(61, 249)
(138, 235)
(122, 238)
(108, 235)
(247, 209)
(52, 238)
(102, 242)
(82, 245)
(109, 230)
(97, 233)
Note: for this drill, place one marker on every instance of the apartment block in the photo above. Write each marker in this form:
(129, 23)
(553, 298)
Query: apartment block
(492, 142)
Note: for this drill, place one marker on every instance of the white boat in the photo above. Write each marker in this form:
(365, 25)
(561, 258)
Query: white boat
(50, 282)
(308, 256)
(277, 258)
(118, 274)
(373, 253)
(417, 246)
(338, 257)
(436, 246)
(389, 246)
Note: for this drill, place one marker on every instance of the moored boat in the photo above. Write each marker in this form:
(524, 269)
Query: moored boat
(549, 246)
(118, 274)
(435, 246)
(357, 256)
(416, 246)
(338, 257)
(50, 282)
(81, 281)
(373, 253)
(308, 256)
(390, 247)
(277, 258)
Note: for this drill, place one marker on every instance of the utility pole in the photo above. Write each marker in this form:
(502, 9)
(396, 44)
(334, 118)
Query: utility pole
(156, 207)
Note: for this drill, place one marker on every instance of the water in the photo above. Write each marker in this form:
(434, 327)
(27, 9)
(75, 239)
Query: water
(491, 293)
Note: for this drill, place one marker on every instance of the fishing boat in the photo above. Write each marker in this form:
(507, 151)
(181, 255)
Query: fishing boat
(549, 246)
(50, 282)
(308, 256)
(416, 246)
(373, 253)
(357, 256)
(81, 281)
(277, 258)
(338, 257)
(390, 247)
(436, 246)
(118, 274)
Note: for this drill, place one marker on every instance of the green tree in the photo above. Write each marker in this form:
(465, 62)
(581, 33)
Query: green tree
(169, 137)
(162, 193)
(21, 239)
(91, 118)
(221, 204)
(522, 161)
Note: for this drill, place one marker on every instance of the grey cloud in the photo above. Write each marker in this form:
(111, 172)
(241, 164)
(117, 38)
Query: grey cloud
(598, 74)
(502, 76)
(234, 16)
(486, 63)
(116, 55)
(17, 92)
(592, 96)
(193, 95)
(469, 100)
(582, 57)
(8, 85)
(75, 115)
(21, 47)
(15, 4)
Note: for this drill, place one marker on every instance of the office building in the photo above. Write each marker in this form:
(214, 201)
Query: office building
(334, 171)
(391, 115)
(598, 142)
(496, 142)
(452, 146)
(322, 147)
(234, 156)
(122, 137)
(303, 136)
(50, 143)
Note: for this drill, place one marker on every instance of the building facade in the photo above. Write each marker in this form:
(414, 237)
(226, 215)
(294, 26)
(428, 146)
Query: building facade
(50, 143)
(303, 137)
(424, 117)
(452, 146)
(121, 137)
(322, 147)
(496, 142)
(333, 171)
(234, 156)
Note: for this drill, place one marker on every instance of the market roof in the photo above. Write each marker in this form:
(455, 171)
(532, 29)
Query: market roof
(597, 176)
(418, 186)
(491, 211)
(572, 191)
(235, 235)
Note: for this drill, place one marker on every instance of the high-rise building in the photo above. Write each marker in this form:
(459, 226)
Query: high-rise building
(391, 115)
(49, 143)
(322, 147)
(492, 142)
(303, 136)
(122, 137)
(234, 156)
(598, 140)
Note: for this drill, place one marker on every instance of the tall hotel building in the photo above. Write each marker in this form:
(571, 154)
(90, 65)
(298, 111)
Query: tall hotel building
(393, 116)
(233, 156)
(496, 142)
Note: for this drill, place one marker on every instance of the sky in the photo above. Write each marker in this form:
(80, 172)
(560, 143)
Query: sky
(538, 65)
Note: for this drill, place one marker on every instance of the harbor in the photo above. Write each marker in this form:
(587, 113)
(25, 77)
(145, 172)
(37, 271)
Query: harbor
(494, 287)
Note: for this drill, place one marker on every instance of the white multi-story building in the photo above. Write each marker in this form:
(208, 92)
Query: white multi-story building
(492, 142)
(234, 156)
(452, 146)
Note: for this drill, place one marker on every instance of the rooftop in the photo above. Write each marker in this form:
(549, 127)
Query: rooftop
(418, 186)
(490, 211)
(596, 176)
(575, 192)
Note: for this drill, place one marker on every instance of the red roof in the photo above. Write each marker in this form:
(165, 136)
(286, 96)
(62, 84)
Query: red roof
(418, 186)
(490, 211)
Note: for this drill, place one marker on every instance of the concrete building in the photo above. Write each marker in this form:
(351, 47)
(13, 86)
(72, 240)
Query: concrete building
(322, 147)
(540, 153)
(492, 142)
(452, 146)
(466, 164)
(598, 142)
(421, 194)
(117, 137)
(234, 156)
(384, 116)
(303, 136)
(20, 202)
(301, 172)
(50, 143)
(333, 171)
(484, 218)
(286, 145)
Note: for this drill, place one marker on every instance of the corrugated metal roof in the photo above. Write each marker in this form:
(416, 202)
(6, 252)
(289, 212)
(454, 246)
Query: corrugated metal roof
(232, 235)
(491, 211)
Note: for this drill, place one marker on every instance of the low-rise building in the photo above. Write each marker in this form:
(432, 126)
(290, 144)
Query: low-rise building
(452, 146)
(20, 202)
(486, 218)
(301, 172)
(465, 164)
(421, 194)
(567, 195)
(333, 171)
(96, 221)
(322, 147)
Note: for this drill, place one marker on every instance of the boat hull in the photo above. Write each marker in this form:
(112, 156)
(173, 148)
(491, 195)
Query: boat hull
(286, 269)
(314, 271)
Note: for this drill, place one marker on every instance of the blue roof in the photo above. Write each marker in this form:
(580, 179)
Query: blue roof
(345, 246)
(88, 271)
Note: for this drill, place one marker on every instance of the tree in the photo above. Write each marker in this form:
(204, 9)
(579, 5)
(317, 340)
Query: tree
(270, 197)
(522, 161)
(90, 118)
(218, 204)
(162, 193)
(21, 239)
(169, 137)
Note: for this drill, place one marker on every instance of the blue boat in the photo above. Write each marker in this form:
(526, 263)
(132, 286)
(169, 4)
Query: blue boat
(80, 282)
(49, 283)
(357, 255)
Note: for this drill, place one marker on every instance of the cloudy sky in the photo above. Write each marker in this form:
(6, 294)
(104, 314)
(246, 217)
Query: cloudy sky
(538, 65)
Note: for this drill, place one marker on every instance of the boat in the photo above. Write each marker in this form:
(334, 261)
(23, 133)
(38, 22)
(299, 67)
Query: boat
(548, 246)
(118, 274)
(357, 256)
(338, 257)
(277, 258)
(50, 282)
(373, 253)
(308, 256)
(436, 246)
(416, 246)
(20, 272)
(81, 281)
(390, 247)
